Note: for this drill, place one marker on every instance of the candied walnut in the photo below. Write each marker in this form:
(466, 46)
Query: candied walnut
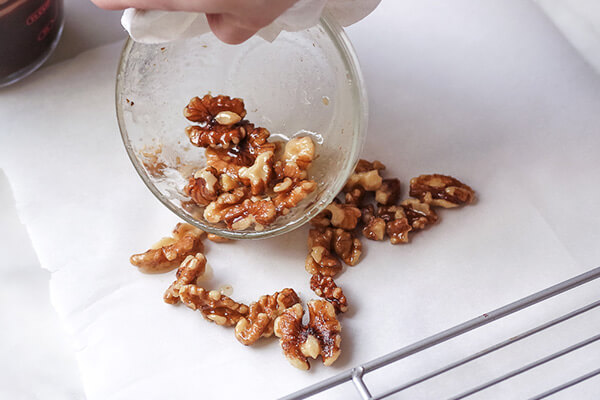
(320, 259)
(190, 270)
(225, 162)
(321, 336)
(213, 305)
(355, 196)
(239, 212)
(390, 213)
(213, 135)
(283, 186)
(374, 229)
(346, 246)
(343, 216)
(366, 175)
(256, 142)
(227, 118)
(207, 108)
(297, 156)
(389, 192)
(419, 214)
(203, 186)
(441, 190)
(259, 174)
(170, 252)
(398, 230)
(366, 213)
(397, 225)
(227, 183)
(217, 239)
(366, 166)
(325, 287)
(284, 201)
(262, 314)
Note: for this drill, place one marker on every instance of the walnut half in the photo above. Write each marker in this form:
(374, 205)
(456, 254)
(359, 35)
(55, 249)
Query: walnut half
(325, 287)
(213, 305)
(207, 108)
(259, 321)
(441, 190)
(320, 259)
(366, 175)
(320, 337)
(190, 270)
(170, 252)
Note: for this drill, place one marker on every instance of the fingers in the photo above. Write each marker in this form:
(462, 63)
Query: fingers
(227, 28)
(232, 21)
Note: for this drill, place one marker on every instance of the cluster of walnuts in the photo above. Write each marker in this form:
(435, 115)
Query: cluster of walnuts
(391, 217)
(248, 181)
(279, 313)
(332, 240)
(334, 236)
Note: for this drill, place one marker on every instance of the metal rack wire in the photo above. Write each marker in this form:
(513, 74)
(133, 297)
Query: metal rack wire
(355, 375)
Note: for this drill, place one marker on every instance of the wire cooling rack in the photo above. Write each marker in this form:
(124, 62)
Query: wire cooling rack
(356, 375)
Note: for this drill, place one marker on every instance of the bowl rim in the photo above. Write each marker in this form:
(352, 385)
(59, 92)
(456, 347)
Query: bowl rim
(342, 43)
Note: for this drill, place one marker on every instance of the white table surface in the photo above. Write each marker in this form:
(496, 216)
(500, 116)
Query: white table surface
(30, 344)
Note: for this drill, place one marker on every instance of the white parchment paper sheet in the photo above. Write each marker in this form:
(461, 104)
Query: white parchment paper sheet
(486, 91)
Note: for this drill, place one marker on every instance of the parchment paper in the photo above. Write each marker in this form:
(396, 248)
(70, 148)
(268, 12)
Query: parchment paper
(488, 92)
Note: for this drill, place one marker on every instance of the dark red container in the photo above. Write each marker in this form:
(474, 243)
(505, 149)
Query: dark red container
(29, 32)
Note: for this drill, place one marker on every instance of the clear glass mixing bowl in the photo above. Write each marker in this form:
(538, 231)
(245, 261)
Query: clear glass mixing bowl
(303, 83)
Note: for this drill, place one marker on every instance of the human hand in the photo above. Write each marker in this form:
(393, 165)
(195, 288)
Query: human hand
(232, 21)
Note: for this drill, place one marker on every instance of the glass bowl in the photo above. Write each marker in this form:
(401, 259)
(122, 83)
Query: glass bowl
(303, 83)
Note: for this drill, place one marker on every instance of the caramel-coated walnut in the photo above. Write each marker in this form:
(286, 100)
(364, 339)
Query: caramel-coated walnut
(367, 213)
(289, 199)
(325, 287)
(344, 216)
(374, 229)
(320, 259)
(346, 246)
(441, 190)
(226, 164)
(397, 224)
(190, 270)
(419, 214)
(398, 230)
(355, 196)
(389, 192)
(366, 175)
(169, 253)
(203, 187)
(213, 305)
(205, 109)
(257, 142)
(260, 174)
(366, 166)
(321, 336)
(324, 325)
(297, 156)
(240, 213)
(262, 314)
(214, 135)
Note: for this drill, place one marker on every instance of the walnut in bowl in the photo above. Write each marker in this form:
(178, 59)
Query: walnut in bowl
(304, 84)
